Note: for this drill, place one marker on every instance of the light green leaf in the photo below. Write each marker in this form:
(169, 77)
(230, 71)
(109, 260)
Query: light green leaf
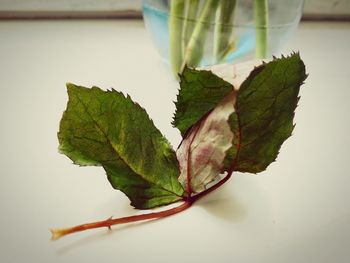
(107, 129)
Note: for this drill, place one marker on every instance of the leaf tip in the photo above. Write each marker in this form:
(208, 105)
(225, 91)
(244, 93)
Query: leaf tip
(70, 85)
(296, 53)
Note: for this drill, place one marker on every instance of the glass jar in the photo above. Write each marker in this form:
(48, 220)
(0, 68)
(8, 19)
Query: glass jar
(207, 32)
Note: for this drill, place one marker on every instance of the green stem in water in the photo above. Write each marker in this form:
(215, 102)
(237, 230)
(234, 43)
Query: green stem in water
(261, 23)
(177, 9)
(195, 48)
(223, 28)
(189, 21)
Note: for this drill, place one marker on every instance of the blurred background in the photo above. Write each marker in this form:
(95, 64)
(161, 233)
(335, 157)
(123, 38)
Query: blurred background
(314, 9)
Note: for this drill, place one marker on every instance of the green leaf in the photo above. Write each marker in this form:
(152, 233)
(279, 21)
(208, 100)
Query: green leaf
(265, 107)
(107, 129)
(200, 92)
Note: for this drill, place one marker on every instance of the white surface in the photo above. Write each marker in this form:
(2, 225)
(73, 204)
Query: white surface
(296, 211)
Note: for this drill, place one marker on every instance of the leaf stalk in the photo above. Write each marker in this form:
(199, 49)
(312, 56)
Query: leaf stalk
(60, 232)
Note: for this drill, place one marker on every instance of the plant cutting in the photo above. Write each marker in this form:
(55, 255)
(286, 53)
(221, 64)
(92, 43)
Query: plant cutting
(225, 127)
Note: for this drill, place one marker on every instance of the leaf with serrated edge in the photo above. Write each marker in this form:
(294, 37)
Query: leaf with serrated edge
(107, 129)
(202, 152)
(265, 107)
(200, 92)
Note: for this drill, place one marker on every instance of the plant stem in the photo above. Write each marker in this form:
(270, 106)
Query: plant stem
(57, 233)
(189, 21)
(223, 28)
(195, 47)
(261, 22)
(177, 8)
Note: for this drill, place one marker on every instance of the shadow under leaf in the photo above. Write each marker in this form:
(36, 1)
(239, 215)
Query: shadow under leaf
(224, 204)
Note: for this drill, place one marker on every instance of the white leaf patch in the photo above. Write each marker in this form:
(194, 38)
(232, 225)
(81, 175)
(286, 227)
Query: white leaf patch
(202, 152)
(236, 73)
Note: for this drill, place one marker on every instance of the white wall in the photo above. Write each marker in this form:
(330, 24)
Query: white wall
(68, 5)
(313, 8)
(331, 8)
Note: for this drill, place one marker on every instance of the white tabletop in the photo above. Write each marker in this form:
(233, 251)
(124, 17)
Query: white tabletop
(296, 211)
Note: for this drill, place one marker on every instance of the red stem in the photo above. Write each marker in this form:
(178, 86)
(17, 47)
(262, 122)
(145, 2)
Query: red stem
(57, 233)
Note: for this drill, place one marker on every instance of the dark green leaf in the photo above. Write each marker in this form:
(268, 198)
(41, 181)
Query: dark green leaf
(265, 109)
(200, 92)
(106, 128)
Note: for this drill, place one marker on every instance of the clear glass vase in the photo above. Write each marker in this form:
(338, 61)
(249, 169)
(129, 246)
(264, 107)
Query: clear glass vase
(208, 32)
